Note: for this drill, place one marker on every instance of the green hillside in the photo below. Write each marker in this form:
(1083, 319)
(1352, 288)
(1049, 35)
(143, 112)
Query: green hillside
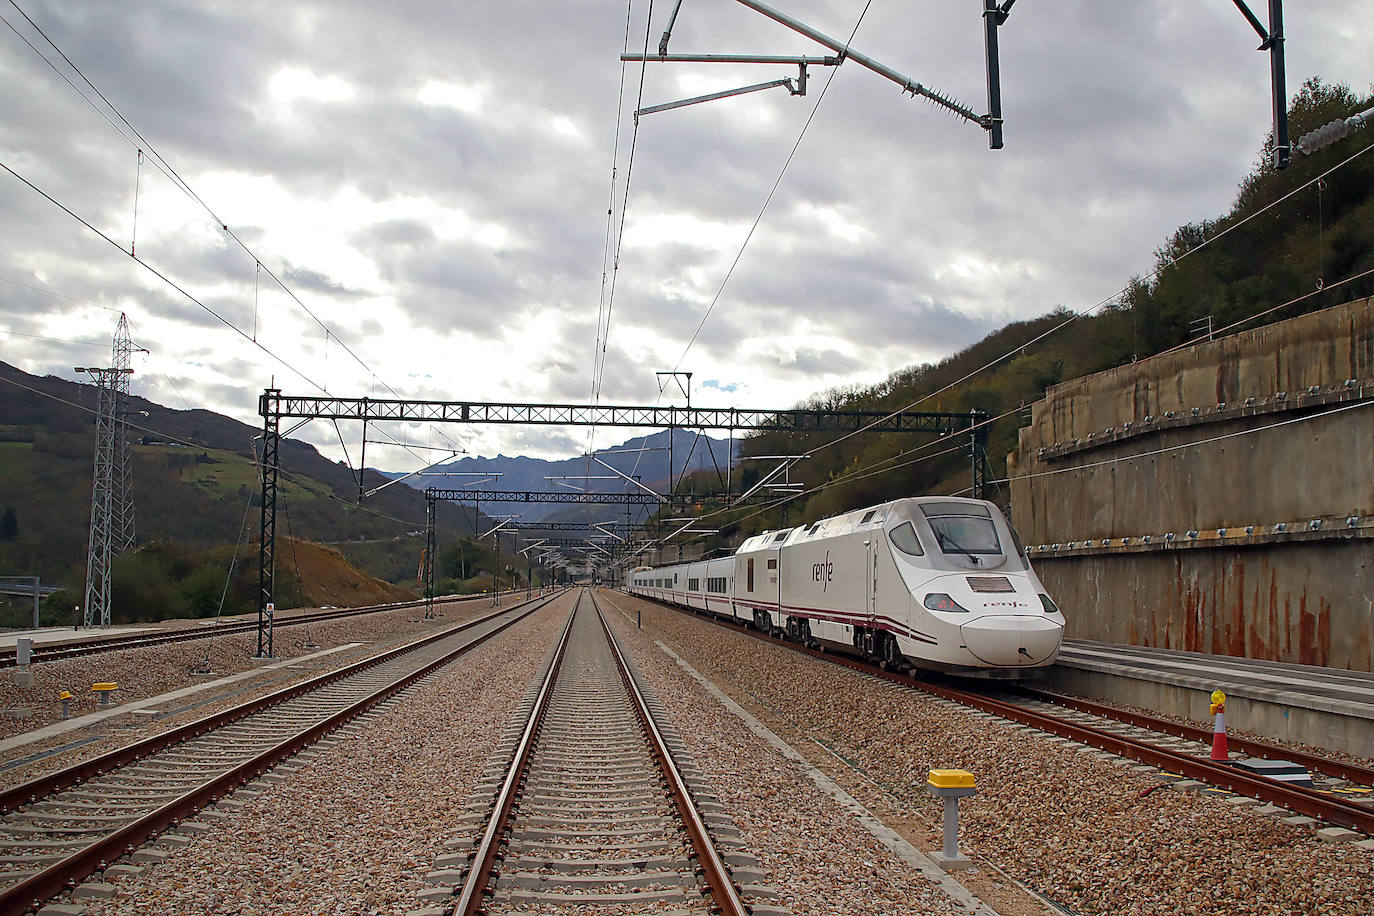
(1312, 250)
(193, 504)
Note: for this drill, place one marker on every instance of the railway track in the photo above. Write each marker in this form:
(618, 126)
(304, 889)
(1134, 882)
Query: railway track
(1198, 740)
(77, 648)
(593, 810)
(58, 829)
(1160, 743)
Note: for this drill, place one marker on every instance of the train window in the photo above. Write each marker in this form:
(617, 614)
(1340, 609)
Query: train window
(931, 510)
(693, 585)
(773, 563)
(904, 539)
(749, 573)
(966, 535)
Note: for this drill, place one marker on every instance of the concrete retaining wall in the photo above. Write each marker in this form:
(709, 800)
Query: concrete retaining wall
(1219, 499)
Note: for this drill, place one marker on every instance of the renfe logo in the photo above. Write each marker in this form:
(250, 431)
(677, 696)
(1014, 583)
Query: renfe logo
(822, 572)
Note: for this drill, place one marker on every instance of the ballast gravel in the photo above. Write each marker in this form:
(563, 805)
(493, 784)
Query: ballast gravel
(353, 827)
(1092, 835)
(151, 671)
(820, 860)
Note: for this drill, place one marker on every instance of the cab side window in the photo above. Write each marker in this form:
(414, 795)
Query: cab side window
(904, 538)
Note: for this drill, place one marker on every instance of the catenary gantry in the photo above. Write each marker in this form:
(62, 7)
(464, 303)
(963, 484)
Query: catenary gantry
(274, 406)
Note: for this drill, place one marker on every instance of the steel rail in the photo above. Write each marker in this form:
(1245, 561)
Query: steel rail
(43, 786)
(718, 879)
(76, 649)
(471, 895)
(1330, 766)
(1295, 798)
(31, 893)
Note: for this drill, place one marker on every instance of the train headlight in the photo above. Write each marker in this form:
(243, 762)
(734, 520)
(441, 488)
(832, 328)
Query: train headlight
(1048, 602)
(940, 602)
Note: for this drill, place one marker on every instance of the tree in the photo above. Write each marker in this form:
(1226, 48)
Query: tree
(9, 525)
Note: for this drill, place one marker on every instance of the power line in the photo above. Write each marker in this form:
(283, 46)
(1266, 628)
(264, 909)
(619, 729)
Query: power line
(48, 292)
(1153, 274)
(830, 78)
(167, 169)
(79, 343)
(169, 437)
(164, 166)
(161, 276)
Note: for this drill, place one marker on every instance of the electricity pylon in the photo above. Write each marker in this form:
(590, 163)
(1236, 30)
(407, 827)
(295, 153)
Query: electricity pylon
(112, 506)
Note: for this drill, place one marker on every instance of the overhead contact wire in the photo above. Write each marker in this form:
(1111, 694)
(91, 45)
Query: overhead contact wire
(830, 78)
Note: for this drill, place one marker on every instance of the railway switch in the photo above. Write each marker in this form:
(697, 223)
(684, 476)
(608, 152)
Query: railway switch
(951, 785)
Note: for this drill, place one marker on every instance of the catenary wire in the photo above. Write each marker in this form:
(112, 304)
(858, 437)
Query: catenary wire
(607, 260)
(773, 190)
(757, 219)
(876, 468)
(1154, 273)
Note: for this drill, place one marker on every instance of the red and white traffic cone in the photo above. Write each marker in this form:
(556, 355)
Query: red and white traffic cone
(1219, 749)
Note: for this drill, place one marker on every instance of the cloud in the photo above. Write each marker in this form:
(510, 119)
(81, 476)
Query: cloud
(433, 182)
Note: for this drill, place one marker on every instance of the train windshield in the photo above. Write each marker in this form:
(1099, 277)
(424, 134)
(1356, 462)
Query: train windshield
(966, 535)
(962, 528)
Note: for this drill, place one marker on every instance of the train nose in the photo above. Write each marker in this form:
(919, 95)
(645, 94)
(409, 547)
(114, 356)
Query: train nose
(1012, 640)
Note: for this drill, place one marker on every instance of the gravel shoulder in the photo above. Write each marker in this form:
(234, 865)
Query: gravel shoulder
(357, 826)
(152, 671)
(821, 861)
(1078, 830)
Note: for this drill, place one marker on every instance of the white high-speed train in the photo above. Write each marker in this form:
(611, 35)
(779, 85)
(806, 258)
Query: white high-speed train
(935, 582)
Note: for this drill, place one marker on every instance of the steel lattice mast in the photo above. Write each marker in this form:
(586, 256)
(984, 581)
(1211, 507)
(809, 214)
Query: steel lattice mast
(122, 497)
(112, 509)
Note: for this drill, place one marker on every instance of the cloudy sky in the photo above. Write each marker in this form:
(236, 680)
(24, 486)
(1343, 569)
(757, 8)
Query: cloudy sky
(431, 181)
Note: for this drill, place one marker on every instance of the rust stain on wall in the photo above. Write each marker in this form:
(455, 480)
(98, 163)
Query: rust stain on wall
(1283, 601)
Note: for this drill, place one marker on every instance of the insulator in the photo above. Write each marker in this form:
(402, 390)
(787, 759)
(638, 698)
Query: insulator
(1325, 135)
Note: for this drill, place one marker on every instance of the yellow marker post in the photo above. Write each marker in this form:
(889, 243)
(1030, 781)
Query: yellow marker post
(951, 785)
(65, 698)
(105, 689)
